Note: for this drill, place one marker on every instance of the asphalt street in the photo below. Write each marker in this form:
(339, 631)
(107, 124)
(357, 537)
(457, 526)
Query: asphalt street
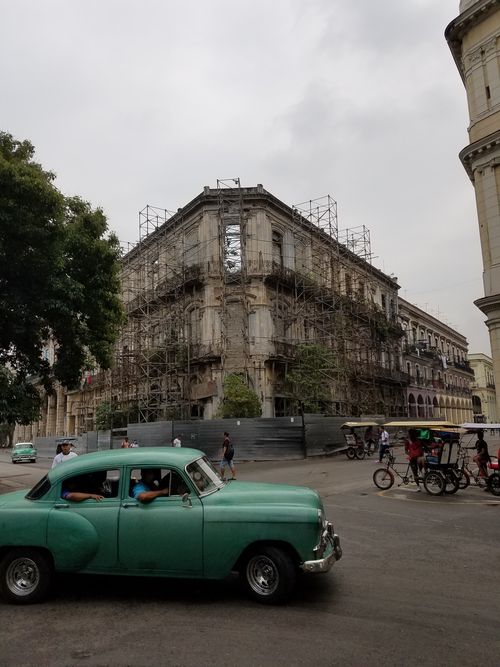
(418, 584)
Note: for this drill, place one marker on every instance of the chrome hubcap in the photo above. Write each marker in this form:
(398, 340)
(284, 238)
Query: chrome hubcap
(22, 576)
(262, 575)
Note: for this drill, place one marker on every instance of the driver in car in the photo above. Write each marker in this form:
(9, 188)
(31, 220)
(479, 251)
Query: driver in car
(145, 490)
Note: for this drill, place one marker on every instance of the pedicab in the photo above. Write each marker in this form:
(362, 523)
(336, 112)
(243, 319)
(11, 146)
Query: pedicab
(440, 444)
(492, 481)
(354, 436)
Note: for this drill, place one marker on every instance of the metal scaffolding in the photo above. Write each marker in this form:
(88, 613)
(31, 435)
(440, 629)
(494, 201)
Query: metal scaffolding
(236, 281)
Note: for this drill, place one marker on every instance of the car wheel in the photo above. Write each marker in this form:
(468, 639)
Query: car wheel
(269, 575)
(434, 483)
(25, 576)
(383, 478)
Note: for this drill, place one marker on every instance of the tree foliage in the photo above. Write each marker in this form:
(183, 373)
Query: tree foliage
(309, 383)
(59, 275)
(19, 399)
(239, 400)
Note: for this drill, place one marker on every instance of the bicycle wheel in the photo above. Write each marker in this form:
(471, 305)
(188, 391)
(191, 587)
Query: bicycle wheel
(359, 453)
(383, 478)
(463, 479)
(494, 484)
(350, 453)
(434, 483)
(452, 482)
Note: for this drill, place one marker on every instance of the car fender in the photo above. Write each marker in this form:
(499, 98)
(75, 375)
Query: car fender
(72, 540)
(230, 531)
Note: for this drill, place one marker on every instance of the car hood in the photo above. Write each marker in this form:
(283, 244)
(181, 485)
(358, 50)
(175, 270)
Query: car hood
(256, 493)
(24, 450)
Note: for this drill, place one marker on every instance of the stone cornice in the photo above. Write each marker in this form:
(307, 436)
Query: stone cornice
(482, 147)
(489, 304)
(456, 30)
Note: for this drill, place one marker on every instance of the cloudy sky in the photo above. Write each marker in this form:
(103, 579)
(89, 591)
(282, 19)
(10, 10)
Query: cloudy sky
(135, 102)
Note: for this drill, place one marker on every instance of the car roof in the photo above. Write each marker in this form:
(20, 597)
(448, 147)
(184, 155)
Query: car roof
(137, 457)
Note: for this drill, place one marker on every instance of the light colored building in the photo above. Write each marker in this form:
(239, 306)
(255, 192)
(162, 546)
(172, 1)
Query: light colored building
(474, 40)
(235, 282)
(435, 359)
(483, 389)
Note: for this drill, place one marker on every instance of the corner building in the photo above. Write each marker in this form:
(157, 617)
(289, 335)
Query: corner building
(234, 282)
(474, 40)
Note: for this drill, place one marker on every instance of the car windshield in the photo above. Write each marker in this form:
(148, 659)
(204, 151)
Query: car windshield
(23, 445)
(204, 476)
(39, 490)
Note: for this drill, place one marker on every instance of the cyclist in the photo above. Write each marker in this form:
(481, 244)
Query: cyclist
(482, 457)
(415, 451)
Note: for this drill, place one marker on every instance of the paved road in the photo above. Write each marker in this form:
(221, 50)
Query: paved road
(418, 585)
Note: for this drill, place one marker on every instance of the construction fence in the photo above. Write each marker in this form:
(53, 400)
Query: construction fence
(258, 439)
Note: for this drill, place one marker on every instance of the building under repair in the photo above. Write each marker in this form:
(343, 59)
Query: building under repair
(235, 282)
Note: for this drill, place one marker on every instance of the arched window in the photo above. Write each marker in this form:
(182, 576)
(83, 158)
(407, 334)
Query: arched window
(412, 408)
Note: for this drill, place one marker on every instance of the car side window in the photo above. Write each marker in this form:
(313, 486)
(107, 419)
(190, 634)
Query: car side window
(100, 482)
(161, 478)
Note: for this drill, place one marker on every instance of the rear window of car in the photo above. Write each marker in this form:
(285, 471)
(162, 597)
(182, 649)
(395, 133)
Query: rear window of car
(39, 490)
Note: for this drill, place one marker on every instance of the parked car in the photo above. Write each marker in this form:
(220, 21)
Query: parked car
(24, 451)
(201, 528)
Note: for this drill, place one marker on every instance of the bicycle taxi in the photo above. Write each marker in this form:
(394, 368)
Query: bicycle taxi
(439, 474)
(466, 473)
(357, 445)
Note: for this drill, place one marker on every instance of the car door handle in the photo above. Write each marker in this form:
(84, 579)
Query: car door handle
(130, 504)
(59, 506)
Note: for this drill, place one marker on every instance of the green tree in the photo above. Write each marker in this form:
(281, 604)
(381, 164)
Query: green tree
(309, 383)
(59, 275)
(19, 403)
(239, 400)
(107, 417)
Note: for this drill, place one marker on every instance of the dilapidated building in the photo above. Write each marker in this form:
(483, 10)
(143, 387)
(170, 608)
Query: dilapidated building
(235, 282)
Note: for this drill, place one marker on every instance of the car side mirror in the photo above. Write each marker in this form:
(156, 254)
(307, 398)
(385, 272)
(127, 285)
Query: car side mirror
(186, 500)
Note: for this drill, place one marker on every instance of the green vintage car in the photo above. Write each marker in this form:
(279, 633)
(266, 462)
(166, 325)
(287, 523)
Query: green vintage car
(24, 451)
(160, 512)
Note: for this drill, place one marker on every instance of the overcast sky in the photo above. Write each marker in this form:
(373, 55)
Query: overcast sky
(136, 102)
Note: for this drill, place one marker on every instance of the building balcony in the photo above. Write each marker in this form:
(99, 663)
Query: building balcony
(204, 352)
(381, 373)
(283, 350)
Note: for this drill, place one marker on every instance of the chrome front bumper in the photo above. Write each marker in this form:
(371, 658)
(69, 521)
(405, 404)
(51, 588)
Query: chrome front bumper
(332, 553)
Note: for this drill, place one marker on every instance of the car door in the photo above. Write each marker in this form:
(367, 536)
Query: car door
(163, 536)
(89, 527)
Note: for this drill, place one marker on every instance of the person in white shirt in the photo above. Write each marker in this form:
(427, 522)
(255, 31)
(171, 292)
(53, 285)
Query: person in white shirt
(65, 455)
(383, 443)
(176, 442)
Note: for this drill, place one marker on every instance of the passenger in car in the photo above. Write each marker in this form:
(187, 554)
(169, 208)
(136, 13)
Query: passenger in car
(70, 492)
(145, 490)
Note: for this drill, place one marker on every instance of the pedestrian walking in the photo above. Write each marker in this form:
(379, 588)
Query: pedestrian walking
(65, 455)
(176, 442)
(383, 442)
(227, 456)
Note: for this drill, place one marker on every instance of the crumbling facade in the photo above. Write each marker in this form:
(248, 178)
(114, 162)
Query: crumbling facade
(234, 282)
